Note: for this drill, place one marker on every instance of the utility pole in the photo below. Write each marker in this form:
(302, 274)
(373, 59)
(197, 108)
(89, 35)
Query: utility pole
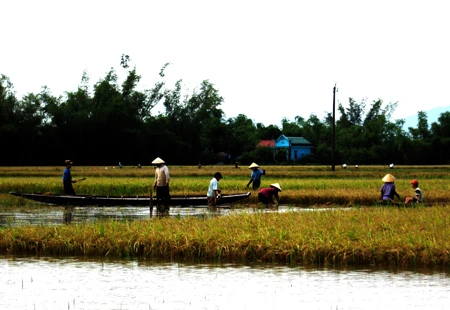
(334, 130)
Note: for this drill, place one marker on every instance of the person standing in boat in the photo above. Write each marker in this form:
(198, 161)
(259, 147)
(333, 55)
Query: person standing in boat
(161, 185)
(269, 196)
(67, 179)
(255, 177)
(213, 194)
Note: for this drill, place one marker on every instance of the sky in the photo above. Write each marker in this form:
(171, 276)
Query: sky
(269, 60)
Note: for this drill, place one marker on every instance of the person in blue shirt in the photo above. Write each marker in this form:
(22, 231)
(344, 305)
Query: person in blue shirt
(388, 191)
(255, 177)
(67, 179)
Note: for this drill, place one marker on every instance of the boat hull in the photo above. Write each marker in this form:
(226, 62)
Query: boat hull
(137, 201)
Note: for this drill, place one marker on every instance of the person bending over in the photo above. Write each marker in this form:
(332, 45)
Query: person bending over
(269, 196)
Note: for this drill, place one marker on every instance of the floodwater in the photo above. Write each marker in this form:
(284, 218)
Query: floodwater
(74, 283)
(70, 283)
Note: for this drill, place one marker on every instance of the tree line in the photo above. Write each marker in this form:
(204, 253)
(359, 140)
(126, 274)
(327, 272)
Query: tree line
(115, 122)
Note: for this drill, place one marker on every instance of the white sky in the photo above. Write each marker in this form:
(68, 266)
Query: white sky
(268, 59)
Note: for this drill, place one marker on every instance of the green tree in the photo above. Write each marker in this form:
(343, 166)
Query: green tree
(203, 106)
(243, 135)
(20, 126)
(320, 135)
(264, 155)
(421, 141)
(366, 138)
(422, 131)
(291, 129)
(9, 130)
(271, 132)
(197, 123)
(441, 139)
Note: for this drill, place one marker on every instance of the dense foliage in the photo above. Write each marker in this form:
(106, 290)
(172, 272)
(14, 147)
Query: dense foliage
(116, 122)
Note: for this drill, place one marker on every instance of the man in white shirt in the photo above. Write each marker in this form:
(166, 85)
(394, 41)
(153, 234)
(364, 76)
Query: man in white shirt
(213, 191)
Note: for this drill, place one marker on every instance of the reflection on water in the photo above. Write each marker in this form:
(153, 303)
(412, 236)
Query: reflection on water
(47, 283)
(59, 216)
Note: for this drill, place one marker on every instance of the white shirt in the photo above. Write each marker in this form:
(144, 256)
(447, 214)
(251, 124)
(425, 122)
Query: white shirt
(162, 176)
(213, 185)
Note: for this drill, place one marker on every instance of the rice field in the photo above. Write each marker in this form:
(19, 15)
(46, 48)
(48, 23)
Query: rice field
(356, 237)
(302, 185)
(362, 235)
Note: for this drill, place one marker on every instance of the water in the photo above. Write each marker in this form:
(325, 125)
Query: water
(48, 283)
(55, 215)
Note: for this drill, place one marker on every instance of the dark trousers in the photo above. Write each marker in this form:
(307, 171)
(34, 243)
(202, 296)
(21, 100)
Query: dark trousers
(162, 197)
(256, 184)
(68, 189)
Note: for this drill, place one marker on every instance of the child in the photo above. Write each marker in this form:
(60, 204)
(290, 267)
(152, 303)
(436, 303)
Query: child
(418, 193)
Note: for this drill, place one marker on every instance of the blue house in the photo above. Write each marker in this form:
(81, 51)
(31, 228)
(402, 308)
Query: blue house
(296, 147)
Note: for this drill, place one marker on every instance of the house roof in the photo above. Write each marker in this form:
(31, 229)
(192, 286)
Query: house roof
(299, 141)
(266, 143)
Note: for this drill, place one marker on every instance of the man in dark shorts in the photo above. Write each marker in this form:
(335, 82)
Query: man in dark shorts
(255, 177)
(67, 179)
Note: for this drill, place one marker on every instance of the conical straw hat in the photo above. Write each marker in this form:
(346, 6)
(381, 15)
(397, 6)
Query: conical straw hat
(158, 161)
(253, 165)
(388, 178)
(276, 185)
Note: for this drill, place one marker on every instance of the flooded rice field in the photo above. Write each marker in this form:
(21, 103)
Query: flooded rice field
(77, 283)
(71, 283)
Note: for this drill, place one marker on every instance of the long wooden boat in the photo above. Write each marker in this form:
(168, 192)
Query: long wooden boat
(137, 201)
